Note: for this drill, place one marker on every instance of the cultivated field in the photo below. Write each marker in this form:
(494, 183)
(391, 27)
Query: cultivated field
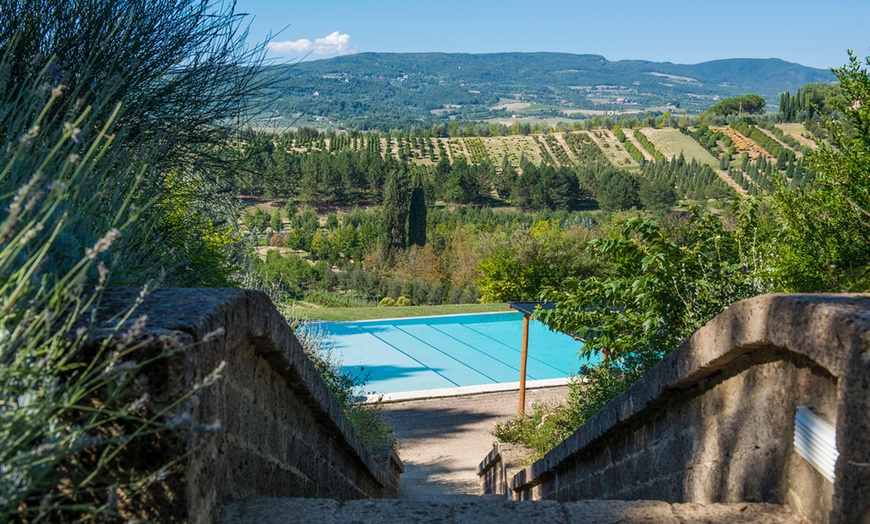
(743, 144)
(670, 142)
(612, 148)
(629, 137)
(798, 131)
(555, 148)
(773, 137)
(514, 146)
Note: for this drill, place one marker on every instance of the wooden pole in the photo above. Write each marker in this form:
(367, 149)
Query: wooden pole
(523, 360)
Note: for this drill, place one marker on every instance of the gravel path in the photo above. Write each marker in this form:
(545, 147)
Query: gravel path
(442, 440)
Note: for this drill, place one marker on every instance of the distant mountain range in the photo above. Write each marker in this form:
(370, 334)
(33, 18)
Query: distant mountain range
(401, 89)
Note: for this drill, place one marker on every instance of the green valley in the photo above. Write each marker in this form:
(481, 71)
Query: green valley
(401, 90)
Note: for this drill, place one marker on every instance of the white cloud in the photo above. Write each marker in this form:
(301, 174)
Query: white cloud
(334, 44)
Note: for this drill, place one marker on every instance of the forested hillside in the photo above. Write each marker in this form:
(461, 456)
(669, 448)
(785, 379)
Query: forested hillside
(392, 90)
(353, 218)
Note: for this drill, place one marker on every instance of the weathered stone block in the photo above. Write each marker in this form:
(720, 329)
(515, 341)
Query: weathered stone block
(278, 422)
(396, 510)
(500, 511)
(736, 513)
(617, 511)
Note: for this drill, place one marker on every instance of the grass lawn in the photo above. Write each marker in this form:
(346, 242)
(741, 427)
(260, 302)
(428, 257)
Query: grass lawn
(374, 313)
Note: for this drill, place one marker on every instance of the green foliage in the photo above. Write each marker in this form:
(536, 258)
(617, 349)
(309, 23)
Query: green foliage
(175, 77)
(789, 140)
(548, 425)
(770, 145)
(461, 185)
(620, 134)
(403, 301)
(506, 179)
(394, 213)
(649, 146)
(115, 118)
(517, 266)
(688, 179)
(547, 187)
(617, 190)
(60, 175)
(258, 220)
(634, 152)
(657, 195)
(747, 104)
(367, 419)
(289, 273)
(826, 224)
(584, 148)
(336, 299)
(387, 302)
(370, 98)
(417, 215)
(665, 282)
(810, 101)
(708, 139)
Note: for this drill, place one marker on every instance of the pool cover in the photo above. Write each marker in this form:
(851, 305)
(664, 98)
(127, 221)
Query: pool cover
(425, 353)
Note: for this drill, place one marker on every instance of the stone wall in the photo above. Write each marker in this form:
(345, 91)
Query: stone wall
(714, 421)
(267, 427)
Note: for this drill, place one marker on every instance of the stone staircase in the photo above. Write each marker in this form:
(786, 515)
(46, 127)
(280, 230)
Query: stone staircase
(442, 441)
(482, 510)
(714, 422)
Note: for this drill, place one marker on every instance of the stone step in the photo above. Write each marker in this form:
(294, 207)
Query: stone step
(446, 498)
(482, 511)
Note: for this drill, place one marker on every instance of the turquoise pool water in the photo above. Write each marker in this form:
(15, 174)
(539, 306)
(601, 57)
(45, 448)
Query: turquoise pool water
(425, 353)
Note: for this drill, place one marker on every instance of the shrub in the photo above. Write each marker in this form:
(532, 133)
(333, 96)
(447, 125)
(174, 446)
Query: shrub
(403, 301)
(549, 424)
(366, 418)
(60, 456)
(620, 134)
(386, 302)
(665, 281)
(174, 76)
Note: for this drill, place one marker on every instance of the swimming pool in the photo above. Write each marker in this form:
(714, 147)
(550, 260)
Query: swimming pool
(426, 353)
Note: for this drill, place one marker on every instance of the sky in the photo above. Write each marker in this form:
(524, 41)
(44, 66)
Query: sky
(811, 33)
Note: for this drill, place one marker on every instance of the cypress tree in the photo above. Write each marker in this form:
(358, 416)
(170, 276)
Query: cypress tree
(395, 210)
(417, 214)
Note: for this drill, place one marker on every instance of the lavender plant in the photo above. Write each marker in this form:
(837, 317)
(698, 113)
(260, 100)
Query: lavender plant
(114, 125)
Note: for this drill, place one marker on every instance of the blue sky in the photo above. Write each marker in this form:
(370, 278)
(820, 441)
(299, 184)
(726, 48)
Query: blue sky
(812, 33)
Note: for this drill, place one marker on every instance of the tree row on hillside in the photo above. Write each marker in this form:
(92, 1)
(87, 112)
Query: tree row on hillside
(771, 146)
(649, 146)
(809, 102)
(689, 179)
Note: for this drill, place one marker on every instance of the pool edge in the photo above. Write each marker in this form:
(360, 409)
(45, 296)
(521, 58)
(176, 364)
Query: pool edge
(410, 318)
(423, 394)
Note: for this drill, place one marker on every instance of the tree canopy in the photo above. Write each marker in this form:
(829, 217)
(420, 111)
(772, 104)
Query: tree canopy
(746, 104)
